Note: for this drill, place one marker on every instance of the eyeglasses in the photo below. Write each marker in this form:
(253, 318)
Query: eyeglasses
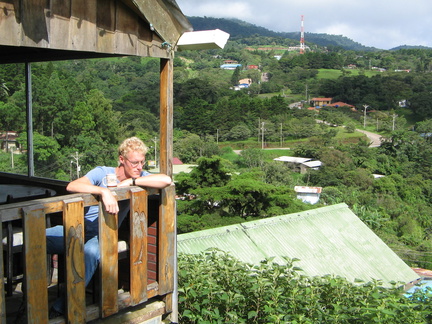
(135, 163)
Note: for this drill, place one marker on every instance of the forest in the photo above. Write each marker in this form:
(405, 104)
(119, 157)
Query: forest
(83, 109)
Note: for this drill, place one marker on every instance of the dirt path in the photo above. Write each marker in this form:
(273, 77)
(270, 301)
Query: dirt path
(374, 138)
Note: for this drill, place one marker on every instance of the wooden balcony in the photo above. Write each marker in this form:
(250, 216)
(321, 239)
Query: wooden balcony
(135, 289)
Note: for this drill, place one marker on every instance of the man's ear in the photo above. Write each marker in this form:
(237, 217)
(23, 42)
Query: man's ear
(121, 159)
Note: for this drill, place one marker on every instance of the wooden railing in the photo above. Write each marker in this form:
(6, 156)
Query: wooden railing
(151, 257)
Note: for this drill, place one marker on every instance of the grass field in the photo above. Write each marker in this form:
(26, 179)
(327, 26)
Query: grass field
(334, 74)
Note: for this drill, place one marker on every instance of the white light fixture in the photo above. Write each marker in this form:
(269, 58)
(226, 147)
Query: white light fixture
(203, 39)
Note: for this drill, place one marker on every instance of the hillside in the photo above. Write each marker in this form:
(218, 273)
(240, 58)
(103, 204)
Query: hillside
(237, 29)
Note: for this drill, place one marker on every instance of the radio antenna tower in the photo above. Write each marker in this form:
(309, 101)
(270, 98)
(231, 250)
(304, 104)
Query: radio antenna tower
(302, 43)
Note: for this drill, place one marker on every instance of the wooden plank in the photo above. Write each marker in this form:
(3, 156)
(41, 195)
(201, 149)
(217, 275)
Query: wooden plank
(61, 8)
(34, 23)
(167, 240)
(8, 17)
(106, 25)
(59, 23)
(138, 246)
(126, 30)
(55, 204)
(108, 241)
(73, 220)
(35, 277)
(2, 291)
(82, 29)
(166, 116)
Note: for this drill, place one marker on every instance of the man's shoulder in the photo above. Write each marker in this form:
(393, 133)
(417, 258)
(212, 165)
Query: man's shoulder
(100, 171)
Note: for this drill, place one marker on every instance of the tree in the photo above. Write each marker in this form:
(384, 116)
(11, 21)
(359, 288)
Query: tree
(424, 128)
(238, 133)
(46, 155)
(106, 120)
(252, 158)
(210, 172)
(50, 98)
(11, 117)
(236, 76)
(191, 147)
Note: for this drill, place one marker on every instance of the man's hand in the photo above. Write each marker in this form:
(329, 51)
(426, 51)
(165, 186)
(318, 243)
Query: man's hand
(125, 183)
(109, 201)
(84, 185)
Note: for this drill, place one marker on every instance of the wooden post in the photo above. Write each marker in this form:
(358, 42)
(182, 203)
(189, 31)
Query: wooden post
(108, 241)
(2, 290)
(35, 279)
(138, 245)
(73, 220)
(166, 116)
(167, 240)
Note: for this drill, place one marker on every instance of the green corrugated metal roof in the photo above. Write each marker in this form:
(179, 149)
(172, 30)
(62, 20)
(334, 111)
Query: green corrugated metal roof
(329, 240)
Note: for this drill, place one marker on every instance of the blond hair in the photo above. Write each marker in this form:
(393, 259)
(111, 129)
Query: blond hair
(132, 144)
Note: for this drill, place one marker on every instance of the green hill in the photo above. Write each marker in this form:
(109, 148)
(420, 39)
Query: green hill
(237, 29)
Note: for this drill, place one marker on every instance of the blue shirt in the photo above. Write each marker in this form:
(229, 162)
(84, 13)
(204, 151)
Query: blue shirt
(91, 213)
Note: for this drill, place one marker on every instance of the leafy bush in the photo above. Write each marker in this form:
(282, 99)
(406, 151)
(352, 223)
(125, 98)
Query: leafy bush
(214, 287)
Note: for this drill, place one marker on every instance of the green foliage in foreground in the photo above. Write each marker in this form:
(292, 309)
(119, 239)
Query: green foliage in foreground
(214, 287)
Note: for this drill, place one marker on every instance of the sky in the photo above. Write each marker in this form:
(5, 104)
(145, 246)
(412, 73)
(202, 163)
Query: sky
(383, 24)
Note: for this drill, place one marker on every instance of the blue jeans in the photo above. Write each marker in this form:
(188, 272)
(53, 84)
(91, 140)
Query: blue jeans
(55, 245)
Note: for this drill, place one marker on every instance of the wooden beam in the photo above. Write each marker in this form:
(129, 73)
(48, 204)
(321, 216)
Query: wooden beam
(166, 116)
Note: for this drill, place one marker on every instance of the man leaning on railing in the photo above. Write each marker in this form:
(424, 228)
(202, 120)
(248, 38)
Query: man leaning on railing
(129, 172)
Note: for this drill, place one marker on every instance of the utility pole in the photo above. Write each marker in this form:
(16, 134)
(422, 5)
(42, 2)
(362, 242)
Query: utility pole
(262, 135)
(12, 155)
(364, 118)
(394, 121)
(281, 135)
(155, 152)
(259, 128)
(76, 157)
(70, 170)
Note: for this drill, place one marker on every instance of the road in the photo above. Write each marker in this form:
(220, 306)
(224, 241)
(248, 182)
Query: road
(374, 138)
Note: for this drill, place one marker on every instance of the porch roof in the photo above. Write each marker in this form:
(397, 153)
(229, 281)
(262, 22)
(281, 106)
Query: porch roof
(34, 30)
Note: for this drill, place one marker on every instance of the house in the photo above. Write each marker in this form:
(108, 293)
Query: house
(310, 165)
(299, 164)
(330, 240)
(342, 104)
(252, 67)
(309, 195)
(232, 66)
(320, 102)
(245, 81)
(9, 141)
